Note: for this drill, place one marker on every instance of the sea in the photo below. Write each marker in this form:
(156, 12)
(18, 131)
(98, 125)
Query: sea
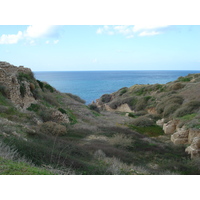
(91, 85)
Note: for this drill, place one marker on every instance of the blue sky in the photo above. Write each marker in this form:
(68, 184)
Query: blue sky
(101, 47)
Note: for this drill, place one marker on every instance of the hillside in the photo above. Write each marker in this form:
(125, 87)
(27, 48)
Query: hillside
(118, 134)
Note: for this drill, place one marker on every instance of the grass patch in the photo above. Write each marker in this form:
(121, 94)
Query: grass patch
(188, 117)
(9, 167)
(151, 131)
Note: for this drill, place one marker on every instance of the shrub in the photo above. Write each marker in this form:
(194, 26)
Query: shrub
(22, 89)
(184, 79)
(187, 108)
(177, 86)
(49, 87)
(62, 110)
(52, 128)
(123, 91)
(41, 84)
(25, 76)
(34, 107)
(32, 87)
(3, 90)
(170, 109)
(94, 107)
(51, 98)
(120, 140)
(76, 98)
(106, 98)
(142, 121)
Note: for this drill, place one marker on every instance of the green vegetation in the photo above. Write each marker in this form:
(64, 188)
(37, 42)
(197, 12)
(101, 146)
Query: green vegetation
(9, 167)
(49, 87)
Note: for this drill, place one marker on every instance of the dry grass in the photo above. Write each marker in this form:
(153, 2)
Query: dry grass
(120, 140)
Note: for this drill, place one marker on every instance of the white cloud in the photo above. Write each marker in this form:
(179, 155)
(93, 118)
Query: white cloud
(11, 39)
(31, 33)
(149, 33)
(129, 31)
(36, 31)
(137, 28)
(47, 42)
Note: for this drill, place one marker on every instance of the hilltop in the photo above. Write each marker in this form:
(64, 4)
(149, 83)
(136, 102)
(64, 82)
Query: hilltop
(121, 133)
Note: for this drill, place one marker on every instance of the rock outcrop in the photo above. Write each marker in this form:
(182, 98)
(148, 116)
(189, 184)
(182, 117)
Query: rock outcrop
(18, 91)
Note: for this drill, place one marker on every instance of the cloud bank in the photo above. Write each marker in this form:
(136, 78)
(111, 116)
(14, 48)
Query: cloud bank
(129, 31)
(32, 32)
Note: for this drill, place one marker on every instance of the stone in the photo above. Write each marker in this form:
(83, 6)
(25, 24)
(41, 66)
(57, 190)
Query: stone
(193, 133)
(160, 122)
(169, 127)
(180, 137)
(194, 148)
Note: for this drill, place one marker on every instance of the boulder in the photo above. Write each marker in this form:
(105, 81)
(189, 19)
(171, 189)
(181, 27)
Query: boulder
(169, 127)
(194, 148)
(160, 122)
(180, 137)
(193, 133)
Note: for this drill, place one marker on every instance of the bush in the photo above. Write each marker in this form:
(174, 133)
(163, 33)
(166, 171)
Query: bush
(76, 98)
(120, 140)
(142, 121)
(49, 87)
(22, 89)
(25, 76)
(51, 98)
(3, 90)
(52, 128)
(34, 107)
(177, 86)
(106, 98)
(187, 108)
(41, 84)
(170, 109)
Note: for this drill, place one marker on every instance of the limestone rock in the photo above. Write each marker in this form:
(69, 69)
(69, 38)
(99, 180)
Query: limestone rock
(193, 133)
(160, 122)
(169, 127)
(122, 108)
(194, 148)
(180, 137)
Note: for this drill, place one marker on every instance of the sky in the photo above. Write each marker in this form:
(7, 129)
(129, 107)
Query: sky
(101, 47)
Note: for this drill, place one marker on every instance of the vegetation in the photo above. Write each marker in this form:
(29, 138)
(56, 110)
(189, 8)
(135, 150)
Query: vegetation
(94, 141)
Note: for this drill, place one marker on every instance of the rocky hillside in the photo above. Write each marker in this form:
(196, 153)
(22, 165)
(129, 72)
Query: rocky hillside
(45, 131)
(175, 105)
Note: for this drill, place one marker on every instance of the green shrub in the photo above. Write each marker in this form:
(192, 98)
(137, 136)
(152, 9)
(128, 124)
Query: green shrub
(34, 107)
(184, 79)
(22, 89)
(62, 110)
(41, 84)
(93, 107)
(3, 90)
(25, 76)
(123, 91)
(49, 87)
(51, 99)
(106, 98)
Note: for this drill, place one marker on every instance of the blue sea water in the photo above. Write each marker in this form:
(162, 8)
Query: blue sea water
(90, 85)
